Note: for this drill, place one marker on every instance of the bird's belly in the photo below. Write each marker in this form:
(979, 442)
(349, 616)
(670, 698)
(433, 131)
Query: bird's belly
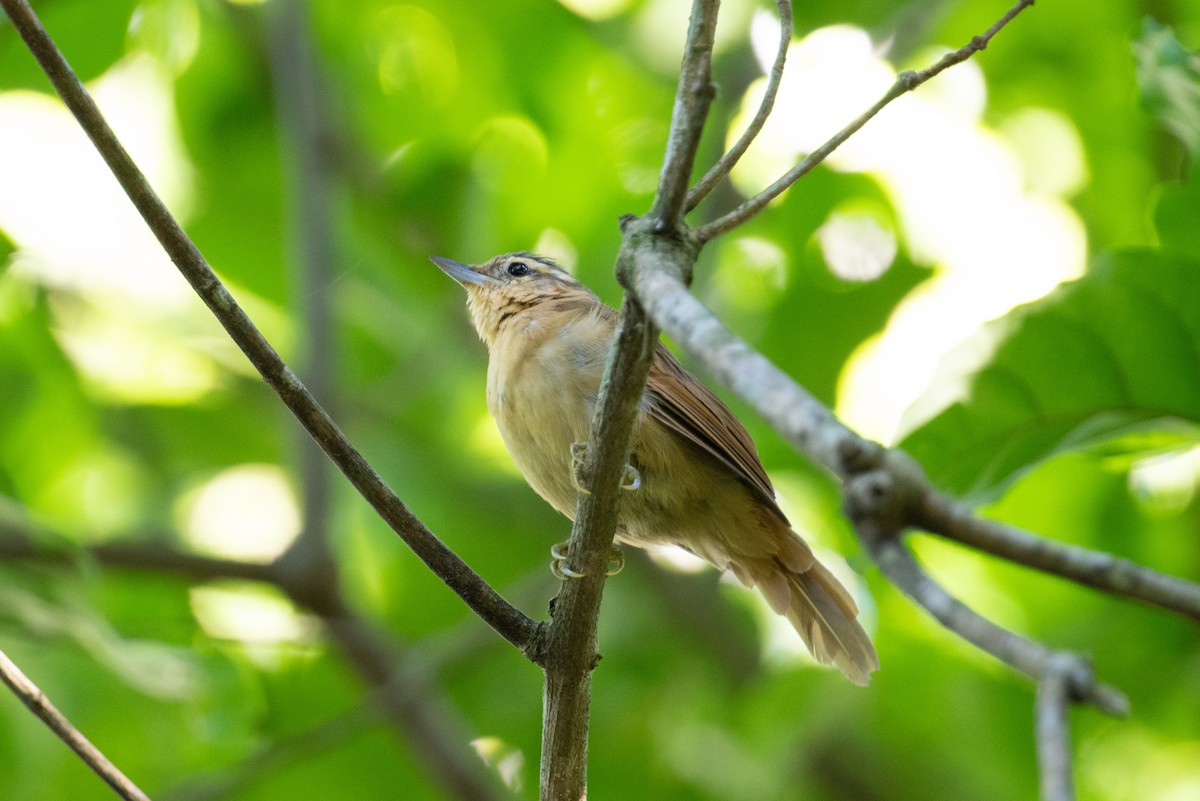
(540, 412)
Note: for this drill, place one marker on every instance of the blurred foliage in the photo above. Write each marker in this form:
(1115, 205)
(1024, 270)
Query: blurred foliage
(1112, 356)
(466, 129)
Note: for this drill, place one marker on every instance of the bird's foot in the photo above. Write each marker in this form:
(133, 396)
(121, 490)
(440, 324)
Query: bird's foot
(558, 565)
(631, 479)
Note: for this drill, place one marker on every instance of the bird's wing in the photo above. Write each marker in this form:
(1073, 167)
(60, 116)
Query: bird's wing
(684, 405)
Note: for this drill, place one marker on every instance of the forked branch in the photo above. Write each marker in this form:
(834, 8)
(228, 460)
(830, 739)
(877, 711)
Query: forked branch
(726, 163)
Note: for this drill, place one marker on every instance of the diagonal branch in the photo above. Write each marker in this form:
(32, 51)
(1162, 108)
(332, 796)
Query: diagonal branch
(905, 82)
(40, 705)
(1031, 658)
(953, 519)
(727, 162)
(506, 619)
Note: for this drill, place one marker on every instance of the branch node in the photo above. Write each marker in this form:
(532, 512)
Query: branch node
(859, 455)
(885, 487)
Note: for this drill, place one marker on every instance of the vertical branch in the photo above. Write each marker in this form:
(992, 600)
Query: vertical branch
(569, 647)
(308, 189)
(40, 705)
(429, 724)
(692, 99)
(1053, 735)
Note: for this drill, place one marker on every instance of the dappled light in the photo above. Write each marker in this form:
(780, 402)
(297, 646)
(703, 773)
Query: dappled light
(997, 273)
(247, 512)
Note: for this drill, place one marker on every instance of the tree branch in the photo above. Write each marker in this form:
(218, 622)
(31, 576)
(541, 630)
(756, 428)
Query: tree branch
(1031, 658)
(953, 520)
(1053, 736)
(506, 619)
(793, 412)
(40, 705)
(308, 193)
(16, 544)
(905, 82)
(727, 162)
(570, 643)
(693, 96)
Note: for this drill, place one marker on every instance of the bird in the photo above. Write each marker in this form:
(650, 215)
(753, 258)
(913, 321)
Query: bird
(695, 477)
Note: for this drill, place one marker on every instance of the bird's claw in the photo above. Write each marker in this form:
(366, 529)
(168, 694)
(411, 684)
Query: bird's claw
(558, 565)
(631, 479)
(616, 561)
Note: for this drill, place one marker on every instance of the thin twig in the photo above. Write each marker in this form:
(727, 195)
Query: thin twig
(40, 705)
(727, 162)
(1053, 733)
(18, 544)
(952, 519)
(905, 82)
(502, 616)
(1031, 658)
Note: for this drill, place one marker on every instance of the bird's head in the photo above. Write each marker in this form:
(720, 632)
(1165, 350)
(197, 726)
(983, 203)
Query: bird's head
(505, 286)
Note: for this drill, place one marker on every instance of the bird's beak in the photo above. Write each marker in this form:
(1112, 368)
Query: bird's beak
(462, 273)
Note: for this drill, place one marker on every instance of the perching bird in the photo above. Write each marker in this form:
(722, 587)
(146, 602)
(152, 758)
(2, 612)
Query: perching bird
(695, 476)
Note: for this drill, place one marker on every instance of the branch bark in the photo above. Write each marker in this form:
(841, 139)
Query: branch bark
(502, 616)
(952, 519)
(1031, 658)
(40, 705)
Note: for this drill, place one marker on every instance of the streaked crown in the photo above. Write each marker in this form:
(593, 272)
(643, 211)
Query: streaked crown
(503, 287)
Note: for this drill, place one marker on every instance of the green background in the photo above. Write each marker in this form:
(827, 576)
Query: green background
(466, 129)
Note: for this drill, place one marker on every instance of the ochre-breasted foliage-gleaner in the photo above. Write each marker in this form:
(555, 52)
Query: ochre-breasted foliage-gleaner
(697, 479)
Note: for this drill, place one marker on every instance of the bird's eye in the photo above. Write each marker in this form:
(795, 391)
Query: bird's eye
(518, 269)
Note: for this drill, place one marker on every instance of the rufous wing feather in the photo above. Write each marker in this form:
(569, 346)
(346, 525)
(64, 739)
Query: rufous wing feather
(690, 409)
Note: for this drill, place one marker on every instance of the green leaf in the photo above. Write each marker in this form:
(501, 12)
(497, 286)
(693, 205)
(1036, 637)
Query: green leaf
(1169, 78)
(1111, 358)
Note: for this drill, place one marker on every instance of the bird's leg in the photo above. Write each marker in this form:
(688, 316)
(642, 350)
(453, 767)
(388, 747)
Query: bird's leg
(631, 479)
(558, 565)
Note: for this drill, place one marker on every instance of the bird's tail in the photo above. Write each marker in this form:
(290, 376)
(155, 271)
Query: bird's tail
(818, 606)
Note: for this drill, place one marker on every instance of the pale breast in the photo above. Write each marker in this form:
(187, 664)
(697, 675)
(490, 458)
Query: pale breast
(543, 377)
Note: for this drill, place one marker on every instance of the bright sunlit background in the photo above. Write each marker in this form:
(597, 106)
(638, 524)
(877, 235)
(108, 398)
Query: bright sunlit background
(892, 283)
